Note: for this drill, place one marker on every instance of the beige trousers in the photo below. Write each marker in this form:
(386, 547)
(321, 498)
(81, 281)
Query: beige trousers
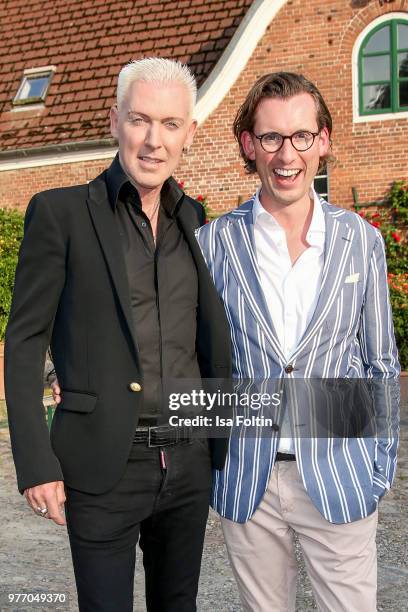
(341, 560)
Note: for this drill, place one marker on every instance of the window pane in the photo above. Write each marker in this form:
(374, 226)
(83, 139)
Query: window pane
(25, 90)
(376, 96)
(380, 41)
(321, 185)
(37, 86)
(403, 64)
(321, 182)
(403, 93)
(402, 36)
(376, 68)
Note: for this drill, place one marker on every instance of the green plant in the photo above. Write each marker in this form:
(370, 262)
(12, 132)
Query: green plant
(392, 219)
(11, 234)
(398, 284)
(398, 199)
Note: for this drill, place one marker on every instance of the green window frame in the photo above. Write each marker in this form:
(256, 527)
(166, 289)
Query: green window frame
(388, 89)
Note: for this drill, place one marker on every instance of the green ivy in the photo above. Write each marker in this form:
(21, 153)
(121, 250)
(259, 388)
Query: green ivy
(398, 199)
(399, 302)
(392, 220)
(11, 234)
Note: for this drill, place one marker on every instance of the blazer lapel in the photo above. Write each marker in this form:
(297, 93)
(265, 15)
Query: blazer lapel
(213, 336)
(337, 249)
(238, 241)
(106, 229)
(189, 223)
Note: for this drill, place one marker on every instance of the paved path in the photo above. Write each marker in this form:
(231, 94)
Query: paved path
(35, 557)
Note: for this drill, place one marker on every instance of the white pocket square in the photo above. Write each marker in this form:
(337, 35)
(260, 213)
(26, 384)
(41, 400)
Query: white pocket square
(353, 278)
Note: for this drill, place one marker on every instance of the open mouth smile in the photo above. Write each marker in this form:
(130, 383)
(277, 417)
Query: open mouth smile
(150, 160)
(284, 175)
(283, 172)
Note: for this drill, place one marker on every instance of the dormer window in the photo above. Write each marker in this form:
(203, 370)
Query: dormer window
(34, 85)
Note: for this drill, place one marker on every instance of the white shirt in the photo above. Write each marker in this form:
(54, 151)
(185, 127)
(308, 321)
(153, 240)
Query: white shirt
(291, 291)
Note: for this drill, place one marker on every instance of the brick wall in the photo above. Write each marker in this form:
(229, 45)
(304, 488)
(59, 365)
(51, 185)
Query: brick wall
(17, 186)
(315, 38)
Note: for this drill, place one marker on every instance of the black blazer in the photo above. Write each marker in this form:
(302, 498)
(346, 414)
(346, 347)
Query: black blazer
(71, 291)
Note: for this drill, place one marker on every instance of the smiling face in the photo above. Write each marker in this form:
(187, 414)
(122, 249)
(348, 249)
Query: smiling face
(152, 126)
(287, 174)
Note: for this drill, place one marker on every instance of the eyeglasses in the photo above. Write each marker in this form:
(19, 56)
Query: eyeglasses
(273, 141)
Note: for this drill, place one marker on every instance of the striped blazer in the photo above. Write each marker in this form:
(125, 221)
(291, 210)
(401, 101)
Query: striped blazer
(350, 335)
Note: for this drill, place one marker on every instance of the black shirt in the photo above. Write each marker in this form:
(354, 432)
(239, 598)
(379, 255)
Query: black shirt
(163, 286)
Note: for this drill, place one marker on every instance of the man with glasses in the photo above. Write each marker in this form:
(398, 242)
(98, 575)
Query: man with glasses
(304, 285)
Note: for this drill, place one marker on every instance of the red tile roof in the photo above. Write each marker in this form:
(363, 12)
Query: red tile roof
(89, 41)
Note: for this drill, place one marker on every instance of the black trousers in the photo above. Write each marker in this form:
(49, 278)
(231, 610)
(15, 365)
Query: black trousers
(167, 507)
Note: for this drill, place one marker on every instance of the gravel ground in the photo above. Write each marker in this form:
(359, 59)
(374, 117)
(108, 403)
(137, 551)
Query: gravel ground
(35, 557)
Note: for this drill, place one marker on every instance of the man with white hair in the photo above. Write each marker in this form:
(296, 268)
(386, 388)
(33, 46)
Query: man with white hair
(102, 279)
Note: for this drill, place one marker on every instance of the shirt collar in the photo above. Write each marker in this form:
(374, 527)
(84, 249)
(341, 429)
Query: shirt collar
(116, 178)
(317, 228)
(120, 187)
(258, 210)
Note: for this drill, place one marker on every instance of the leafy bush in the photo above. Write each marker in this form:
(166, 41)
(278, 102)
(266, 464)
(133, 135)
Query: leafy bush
(397, 253)
(11, 233)
(392, 220)
(398, 199)
(398, 284)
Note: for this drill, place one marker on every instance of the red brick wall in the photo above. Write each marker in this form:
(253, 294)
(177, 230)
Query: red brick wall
(315, 38)
(17, 186)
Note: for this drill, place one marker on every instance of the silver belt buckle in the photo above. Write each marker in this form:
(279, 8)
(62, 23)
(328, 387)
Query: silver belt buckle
(150, 444)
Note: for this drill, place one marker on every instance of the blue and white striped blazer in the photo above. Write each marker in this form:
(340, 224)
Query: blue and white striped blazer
(349, 336)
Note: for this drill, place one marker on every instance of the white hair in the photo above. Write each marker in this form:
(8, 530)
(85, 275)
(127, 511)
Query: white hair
(156, 70)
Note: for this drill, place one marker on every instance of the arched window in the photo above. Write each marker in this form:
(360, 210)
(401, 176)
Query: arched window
(383, 69)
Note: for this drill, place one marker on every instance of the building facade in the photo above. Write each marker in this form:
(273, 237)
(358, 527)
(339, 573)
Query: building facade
(356, 51)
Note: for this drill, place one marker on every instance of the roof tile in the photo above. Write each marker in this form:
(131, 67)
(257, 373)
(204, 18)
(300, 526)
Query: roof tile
(88, 59)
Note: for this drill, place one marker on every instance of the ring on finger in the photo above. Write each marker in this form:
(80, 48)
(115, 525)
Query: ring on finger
(42, 511)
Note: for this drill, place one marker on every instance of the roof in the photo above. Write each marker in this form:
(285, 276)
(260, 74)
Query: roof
(89, 41)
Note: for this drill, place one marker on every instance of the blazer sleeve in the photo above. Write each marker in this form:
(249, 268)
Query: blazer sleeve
(39, 281)
(380, 357)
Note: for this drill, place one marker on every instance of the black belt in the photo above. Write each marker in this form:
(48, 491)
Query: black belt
(161, 435)
(285, 457)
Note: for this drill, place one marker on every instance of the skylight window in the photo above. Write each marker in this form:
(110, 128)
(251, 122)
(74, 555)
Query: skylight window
(34, 85)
